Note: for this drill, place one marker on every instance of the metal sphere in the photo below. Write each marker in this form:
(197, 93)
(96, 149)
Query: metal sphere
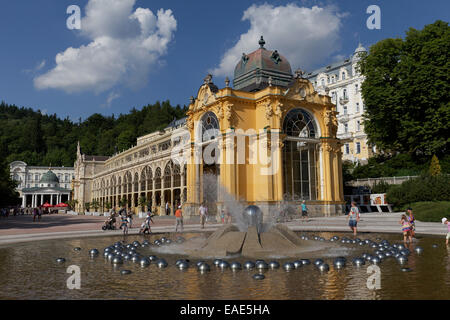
(144, 262)
(249, 265)
(77, 249)
(168, 241)
(332, 240)
(259, 276)
(274, 265)
(305, 261)
(127, 257)
(306, 238)
(288, 266)
(405, 252)
(388, 254)
(125, 272)
(224, 265)
(60, 260)
(203, 267)
(261, 264)
(183, 265)
(338, 263)
(400, 247)
(161, 263)
(406, 269)
(132, 252)
(253, 217)
(157, 242)
(105, 254)
(153, 258)
(107, 249)
(179, 261)
(235, 266)
(117, 260)
(318, 262)
(93, 252)
(136, 258)
(402, 259)
(217, 262)
(199, 263)
(375, 260)
(145, 242)
(297, 264)
(358, 262)
(418, 250)
(381, 256)
(111, 256)
(324, 267)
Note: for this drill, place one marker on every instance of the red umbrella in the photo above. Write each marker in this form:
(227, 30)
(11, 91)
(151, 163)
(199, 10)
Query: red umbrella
(62, 205)
(47, 205)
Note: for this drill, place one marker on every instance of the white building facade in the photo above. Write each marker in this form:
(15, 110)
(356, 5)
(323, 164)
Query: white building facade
(342, 82)
(30, 183)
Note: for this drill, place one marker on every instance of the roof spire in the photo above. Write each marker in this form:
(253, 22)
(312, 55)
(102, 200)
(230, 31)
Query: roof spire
(261, 42)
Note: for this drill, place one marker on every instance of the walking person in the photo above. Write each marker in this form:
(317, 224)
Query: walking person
(167, 208)
(179, 219)
(130, 218)
(406, 229)
(304, 211)
(445, 221)
(412, 221)
(353, 218)
(203, 210)
(35, 213)
(124, 223)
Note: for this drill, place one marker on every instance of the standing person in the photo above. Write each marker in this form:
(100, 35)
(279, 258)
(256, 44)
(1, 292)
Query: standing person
(179, 219)
(203, 211)
(412, 221)
(353, 218)
(130, 218)
(222, 215)
(304, 211)
(227, 216)
(35, 213)
(167, 208)
(445, 221)
(406, 228)
(124, 223)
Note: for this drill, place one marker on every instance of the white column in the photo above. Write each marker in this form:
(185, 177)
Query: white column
(51, 199)
(42, 199)
(24, 202)
(33, 200)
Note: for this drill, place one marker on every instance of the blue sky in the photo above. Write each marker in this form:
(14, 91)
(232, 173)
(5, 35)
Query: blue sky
(118, 62)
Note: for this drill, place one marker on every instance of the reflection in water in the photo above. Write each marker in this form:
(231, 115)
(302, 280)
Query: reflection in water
(29, 271)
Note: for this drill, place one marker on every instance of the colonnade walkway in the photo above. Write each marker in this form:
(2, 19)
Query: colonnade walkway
(15, 229)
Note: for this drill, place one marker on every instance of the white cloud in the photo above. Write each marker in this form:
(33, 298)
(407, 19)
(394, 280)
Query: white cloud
(124, 45)
(111, 97)
(303, 35)
(38, 67)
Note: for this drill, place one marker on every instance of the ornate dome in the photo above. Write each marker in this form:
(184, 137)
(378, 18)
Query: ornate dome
(253, 71)
(49, 177)
(359, 51)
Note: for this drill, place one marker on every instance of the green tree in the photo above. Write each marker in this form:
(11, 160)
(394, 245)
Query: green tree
(406, 91)
(435, 168)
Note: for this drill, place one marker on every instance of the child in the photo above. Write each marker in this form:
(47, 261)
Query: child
(445, 221)
(412, 221)
(304, 211)
(353, 218)
(124, 224)
(145, 227)
(406, 228)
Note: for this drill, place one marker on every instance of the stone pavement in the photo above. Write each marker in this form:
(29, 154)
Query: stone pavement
(23, 229)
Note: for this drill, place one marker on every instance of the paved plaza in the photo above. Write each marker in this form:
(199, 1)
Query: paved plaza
(58, 226)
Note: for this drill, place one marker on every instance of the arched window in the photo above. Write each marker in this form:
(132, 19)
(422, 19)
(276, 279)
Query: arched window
(158, 178)
(167, 175)
(149, 179)
(176, 176)
(136, 182)
(210, 126)
(143, 178)
(298, 123)
(300, 156)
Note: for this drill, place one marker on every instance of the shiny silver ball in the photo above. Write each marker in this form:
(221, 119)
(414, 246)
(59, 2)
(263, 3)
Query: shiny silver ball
(144, 262)
(324, 267)
(288, 266)
(127, 257)
(108, 249)
(117, 260)
(375, 260)
(297, 264)
(418, 250)
(338, 263)
(161, 263)
(77, 249)
(183, 265)
(111, 256)
(259, 276)
(199, 263)
(235, 266)
(274, 265)
(136, 258)
(60, 260)
(305, 261)
(249, 265)
(358, 262)
(105, 254)
(262, 265)
(93, 252)
(125, 272)
(203, 267)
(318, 262)
(402, 259)
(253, 217)
(153, 258)
(406, 269)
(217, 262)
(224, 265)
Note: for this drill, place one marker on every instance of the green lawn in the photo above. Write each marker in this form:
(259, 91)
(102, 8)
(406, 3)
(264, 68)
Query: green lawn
(431, 211)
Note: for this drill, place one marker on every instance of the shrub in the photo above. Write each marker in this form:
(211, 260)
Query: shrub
(381, 187)
(423, 188)
(431, 211)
